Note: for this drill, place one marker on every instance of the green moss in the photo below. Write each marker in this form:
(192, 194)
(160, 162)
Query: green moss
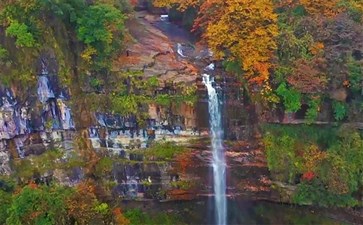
(162, 151)
(104, 166)
(163, 100)
(182, 184)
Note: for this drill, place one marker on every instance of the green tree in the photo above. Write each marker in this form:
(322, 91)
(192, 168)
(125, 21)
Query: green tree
(5, 198)
(340, 110)
(291, 97)
(21, 32)
(101, 27)
(282, 159)
(38, 205)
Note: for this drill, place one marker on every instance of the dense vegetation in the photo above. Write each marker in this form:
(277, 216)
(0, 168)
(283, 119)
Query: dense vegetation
(296, 55)
(84, 39)
(29, 196)
(46, 205)
(303, 58)
(326, 163)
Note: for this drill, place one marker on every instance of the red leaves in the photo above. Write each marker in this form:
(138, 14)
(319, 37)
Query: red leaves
(308, 76)
(32, 185)
(308, 176)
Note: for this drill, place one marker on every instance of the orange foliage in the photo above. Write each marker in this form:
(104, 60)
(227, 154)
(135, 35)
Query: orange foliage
(80, 205)
(183, 4)
(322, 7)
(243, 30)
(336, 183)
(32, 185)
(312, 157)
(120, 219)
(317, 48)
(238, 34)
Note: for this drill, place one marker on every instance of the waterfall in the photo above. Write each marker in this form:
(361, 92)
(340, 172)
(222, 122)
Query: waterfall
(219, 165)
(180, 50)
(45, 91)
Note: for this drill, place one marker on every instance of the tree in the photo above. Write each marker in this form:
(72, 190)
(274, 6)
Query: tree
(309, 76)
(291, 97)
(83, 207)
(182, 5)
(38, 205)
(5, 198)
(100, 28)
(21, 32)
(321, 7)
(241, 31)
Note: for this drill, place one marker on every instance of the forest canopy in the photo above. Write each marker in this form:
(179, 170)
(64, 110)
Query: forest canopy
(290, 52)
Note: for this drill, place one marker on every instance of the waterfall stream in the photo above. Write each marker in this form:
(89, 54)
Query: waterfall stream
(219, 165)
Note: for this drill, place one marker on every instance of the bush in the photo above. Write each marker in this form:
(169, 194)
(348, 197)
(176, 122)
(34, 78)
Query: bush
(315, 193)
(340, 110)
(312, 112)
(291, 97)
(281, 156)
(21, 32)
(330, 161)
(5, 198)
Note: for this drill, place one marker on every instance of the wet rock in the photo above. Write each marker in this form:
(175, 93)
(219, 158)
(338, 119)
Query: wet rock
(4, 163)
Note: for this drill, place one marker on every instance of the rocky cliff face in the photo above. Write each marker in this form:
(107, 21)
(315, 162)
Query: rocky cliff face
(45, 120)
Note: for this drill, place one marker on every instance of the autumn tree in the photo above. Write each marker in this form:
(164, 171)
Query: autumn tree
(242, 31)
(309, 76)
(322, 7)
(181, 4)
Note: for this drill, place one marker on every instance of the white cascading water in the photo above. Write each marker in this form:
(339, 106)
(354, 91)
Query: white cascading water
(219, 165)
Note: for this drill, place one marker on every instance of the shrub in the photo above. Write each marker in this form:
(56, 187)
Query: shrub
(21, 32)
(291, 97)
(340, 110)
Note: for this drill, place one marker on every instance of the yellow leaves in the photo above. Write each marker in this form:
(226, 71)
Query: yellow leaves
(246, 30)
(268, 94)
(312, 157)
(88, 53)
(183, 4)
(242, 30)
(357, 4)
